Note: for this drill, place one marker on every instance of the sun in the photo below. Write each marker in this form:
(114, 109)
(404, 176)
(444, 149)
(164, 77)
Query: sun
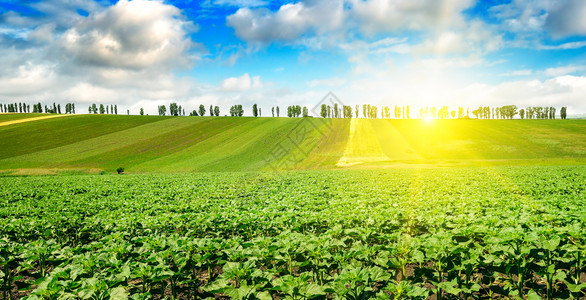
(428, 120)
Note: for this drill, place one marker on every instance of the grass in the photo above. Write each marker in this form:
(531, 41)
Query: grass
(144, 144)
(466, 142)
(4, 117)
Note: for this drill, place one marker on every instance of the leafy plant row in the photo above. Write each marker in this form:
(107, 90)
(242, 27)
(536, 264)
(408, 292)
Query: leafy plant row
(448, 233)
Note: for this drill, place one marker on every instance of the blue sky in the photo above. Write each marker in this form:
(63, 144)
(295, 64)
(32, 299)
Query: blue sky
(222, 52)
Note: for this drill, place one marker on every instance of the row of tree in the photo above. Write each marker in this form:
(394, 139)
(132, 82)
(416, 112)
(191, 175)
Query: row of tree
(327, 111)
(111, 109)
(510, 111)
(21, 107)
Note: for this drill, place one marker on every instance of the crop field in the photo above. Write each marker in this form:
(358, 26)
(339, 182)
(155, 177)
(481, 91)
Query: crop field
(147, 144)
(442, 233)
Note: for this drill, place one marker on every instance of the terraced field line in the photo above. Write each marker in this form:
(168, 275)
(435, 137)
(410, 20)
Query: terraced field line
(363, 145)
(30, 119)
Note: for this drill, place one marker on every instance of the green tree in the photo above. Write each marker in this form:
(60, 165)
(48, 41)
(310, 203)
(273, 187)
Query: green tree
(217, 111)
(202, 110)
(522, 113)
(116, 109)
(254, 110)
(162, 110)
(102, 109)
(305, 112)
(211, 110)
(173, 109)
(141, 111)
(563, 112)
(324, 111)
(277, 111)
(273, 111)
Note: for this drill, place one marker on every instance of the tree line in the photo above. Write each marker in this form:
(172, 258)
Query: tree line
(111, 109)
(21, 107)
(326, 111)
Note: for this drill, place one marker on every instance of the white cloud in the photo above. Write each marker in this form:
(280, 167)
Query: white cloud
(400, 15)
(291, 21)
(122, 54)
(564, 46)
(131, 34)
(565, 70)
(240, 84)
(567, 18)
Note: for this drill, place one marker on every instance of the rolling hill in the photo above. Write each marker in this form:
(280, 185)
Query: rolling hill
(92, 143)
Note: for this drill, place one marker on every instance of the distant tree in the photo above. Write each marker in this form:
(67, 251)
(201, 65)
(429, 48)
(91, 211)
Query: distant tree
(217, 111)
(173, 109)
(59, 108)
(236, 111)
(183, 111)
(305, 112)
(522, 113)
(116, 109)
(254, 110)
(111, 109)
(107, 109)
(72, 108)
(259, 112)
(336, 110)
(357, 106)
(211, 110)
(273, 111)
(563, 112)
(142, 111)
(453, 113)
(128, 112)
(120, 170)
(364, 111)
(289, 111)
(102, 109)
(552, 112)
(202, 110)
(1, 108)
(162, 110)
(277, 111)
(324, 111)
(193, 113)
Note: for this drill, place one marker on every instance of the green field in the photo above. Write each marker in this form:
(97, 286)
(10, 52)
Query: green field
(292, 208)
(146, 144)
(405, 233)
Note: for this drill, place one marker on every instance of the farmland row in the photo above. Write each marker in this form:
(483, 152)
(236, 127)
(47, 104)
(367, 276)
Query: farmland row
(459, 232)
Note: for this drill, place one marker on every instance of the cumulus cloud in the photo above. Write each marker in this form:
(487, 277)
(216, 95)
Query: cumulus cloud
(131, 34)
(568, 18)
(119, 54)
(240, 84)
(291, 21)
(400, 15)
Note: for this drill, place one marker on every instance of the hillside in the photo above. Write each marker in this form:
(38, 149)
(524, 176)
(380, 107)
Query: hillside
(188, 144)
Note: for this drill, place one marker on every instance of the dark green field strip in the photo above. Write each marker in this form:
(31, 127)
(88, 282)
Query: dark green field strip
(30, 137)
(242, 147)
(161, 145)
(13, 116)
